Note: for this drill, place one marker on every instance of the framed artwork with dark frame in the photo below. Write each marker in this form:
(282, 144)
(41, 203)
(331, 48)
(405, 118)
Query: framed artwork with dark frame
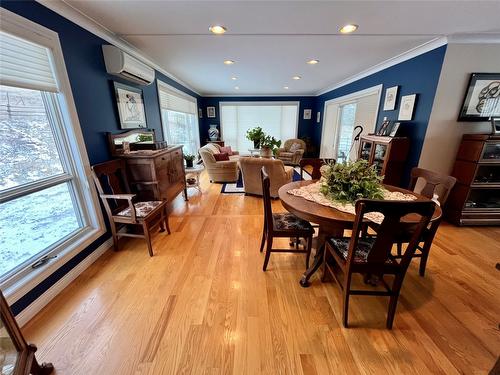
(482, 98)
(130, 103)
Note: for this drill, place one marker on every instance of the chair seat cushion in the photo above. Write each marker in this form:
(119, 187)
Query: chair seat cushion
(142, 209)
(286, 154)
(288, 221)
(341, 245)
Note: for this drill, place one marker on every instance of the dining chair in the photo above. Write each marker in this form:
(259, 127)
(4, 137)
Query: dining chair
(315, 164)
(283, 224)
(371, 256)
(111, 183)
(433, 186)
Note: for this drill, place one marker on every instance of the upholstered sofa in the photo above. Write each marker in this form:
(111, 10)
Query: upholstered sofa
(219, 171)
(292, 151)
(279, 175)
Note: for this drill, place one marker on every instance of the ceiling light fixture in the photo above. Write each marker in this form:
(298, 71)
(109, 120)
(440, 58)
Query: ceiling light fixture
(236, 87)
(285, 87)
(349, 28)
(313, 62)
(228, 62)
(296, 77)
(234, 78)
(217, 29)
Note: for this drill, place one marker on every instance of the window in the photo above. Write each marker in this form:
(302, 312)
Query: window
(342, 115)
(278, 119)
(179, 116)
(47, 207)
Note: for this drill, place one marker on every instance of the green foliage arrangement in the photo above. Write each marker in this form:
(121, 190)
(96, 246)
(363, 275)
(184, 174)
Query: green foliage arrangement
(255, 134)
(346, 182)
(270, 142)
(189, 157)
(145, 138)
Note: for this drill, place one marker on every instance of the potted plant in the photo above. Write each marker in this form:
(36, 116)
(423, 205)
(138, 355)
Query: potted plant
(189, 160)
(255, 135)
(268, 146)
(349, 181)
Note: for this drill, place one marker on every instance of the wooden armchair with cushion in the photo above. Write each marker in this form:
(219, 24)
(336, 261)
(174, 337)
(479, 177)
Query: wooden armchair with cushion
(222, 170)
(292, 151)
(111, 182)
(279, 174)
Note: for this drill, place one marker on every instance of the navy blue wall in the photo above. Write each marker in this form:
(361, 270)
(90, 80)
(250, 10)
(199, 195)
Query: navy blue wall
(305, 127)
(95, 103)
(419, 75)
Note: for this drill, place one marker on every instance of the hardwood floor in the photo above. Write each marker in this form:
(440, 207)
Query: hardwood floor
(202, 305)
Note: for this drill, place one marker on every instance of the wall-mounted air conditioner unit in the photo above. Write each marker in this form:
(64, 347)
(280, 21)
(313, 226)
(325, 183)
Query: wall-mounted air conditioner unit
(126, 66)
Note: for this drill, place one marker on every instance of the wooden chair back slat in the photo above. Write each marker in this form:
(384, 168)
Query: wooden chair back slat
(110, 178)
(435, 183)
(266, 197)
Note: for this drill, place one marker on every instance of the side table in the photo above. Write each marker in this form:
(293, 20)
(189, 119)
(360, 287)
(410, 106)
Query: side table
(193, 177)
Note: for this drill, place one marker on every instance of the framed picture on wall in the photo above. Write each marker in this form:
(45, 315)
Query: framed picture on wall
(130, 105)
(211, 112)
(482, 98)
(407, 106)
(391, 95)
(307, 114)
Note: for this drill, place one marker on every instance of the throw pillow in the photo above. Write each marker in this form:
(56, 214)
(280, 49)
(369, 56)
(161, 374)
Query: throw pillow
(223, 156)
(294, 147)
(227, 149)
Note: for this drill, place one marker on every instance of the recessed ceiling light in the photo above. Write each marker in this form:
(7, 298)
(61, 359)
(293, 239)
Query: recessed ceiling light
(296, 77)
(313, 62)
(234, 78)
(236, 87)
(349, 28)
(228, 62)
(285, 87)
(217, 29)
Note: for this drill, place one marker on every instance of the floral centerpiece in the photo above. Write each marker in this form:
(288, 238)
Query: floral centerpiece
(346, 182)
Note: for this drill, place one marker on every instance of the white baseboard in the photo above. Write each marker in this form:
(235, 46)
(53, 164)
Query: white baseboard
(29, 312)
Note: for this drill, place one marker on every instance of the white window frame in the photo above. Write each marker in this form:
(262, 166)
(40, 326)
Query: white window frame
(342, 100)
(165, 86)
(74, 159)
(261, 104)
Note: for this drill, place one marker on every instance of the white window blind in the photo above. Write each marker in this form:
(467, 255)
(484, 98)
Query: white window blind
(179, 115)
(25, 64)
(177, 102)
(276, 119)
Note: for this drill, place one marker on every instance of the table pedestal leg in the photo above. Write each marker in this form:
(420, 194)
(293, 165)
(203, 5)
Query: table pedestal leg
(320, 250)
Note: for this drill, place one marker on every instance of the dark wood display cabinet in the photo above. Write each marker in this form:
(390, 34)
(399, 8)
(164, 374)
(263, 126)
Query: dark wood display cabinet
(475, 199)
(387, 154)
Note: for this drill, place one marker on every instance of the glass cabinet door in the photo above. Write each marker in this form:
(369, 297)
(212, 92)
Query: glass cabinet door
(483, 198)
(366, 149)
(487, 174)
(8, 352)
(379, 157)
(491, 152)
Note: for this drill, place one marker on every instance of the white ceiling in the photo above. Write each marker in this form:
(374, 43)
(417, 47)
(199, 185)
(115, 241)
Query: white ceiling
(272, 40)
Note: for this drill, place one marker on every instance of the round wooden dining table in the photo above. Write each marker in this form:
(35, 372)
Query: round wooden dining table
(332, 222)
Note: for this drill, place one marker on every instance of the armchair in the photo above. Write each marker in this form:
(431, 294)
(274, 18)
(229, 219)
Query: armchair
(279, 175)
(219, 171)
(292, 151)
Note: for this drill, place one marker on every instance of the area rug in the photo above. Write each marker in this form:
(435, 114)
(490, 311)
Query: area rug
(238, 188)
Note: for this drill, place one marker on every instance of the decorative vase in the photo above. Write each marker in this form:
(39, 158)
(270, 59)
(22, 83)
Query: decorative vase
(266, 152)
(213, 133)
(256, 144)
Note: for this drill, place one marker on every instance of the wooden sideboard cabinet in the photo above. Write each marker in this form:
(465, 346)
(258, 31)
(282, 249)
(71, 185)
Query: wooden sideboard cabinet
(475, 199)
(387, 154)
(158, 174)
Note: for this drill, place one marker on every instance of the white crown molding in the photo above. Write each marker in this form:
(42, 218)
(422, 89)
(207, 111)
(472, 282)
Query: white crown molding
(36, 306)
(74, 15)
(484, 38)
(311, 95)
(414, 52)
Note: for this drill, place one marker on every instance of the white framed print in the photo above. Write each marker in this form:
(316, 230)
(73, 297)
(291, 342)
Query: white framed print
(307, 114)
(130, 105)
(211, 112)
(406, 107)
(391, 94)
